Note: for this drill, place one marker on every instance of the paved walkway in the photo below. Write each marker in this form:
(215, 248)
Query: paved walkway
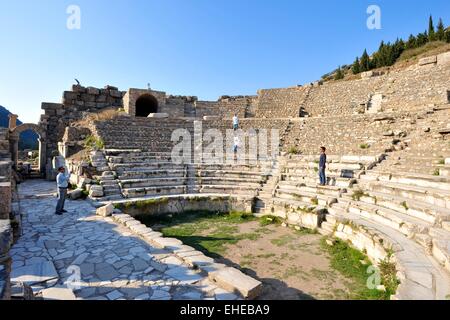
(112, 262)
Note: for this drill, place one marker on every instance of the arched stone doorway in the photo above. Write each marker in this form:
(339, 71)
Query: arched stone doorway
(14, 137)
(145, 105)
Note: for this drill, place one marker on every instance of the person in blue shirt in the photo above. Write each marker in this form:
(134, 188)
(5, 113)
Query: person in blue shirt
(322, 166)
(62, 181)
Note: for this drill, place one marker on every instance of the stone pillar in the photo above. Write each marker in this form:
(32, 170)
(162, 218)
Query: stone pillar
(42, 155)
(12, 121)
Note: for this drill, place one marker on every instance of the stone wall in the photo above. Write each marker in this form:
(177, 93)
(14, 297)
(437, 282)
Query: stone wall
(359, 135)
(340, 98)
(76, 105)
(225, 107)
(5, 259)
(401, 90)
(281, 103)
(183, 203)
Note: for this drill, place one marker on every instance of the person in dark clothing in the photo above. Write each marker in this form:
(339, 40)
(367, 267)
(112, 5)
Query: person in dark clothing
(322, 166)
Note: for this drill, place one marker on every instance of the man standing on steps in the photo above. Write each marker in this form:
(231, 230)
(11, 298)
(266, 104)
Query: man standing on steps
(62, 181)
(235, 122)
(322, 166)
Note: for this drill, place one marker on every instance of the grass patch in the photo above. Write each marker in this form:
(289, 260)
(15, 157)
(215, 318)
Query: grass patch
(364, 146)
(429, 49)
(93, 143)
(358, 194)
(347, 261)
(269, 220)
(293, 151)
(405, 205)
(205, 231)
(283, 240)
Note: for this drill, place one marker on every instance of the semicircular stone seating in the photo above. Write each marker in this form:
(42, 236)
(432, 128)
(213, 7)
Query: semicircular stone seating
(386, 209)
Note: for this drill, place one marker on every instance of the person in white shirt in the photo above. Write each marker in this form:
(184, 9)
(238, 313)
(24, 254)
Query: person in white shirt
(235, 122)
(62, 181)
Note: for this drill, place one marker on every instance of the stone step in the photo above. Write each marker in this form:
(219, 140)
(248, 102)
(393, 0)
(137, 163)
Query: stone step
(330, 166)
(432, 196)
(421, 278)
(315, 171)
(285, 192)
(294, 203)
(230, 189)
(314, 180)
(154, 191)
(407, 225)
(418, 209)
(415, 179)
(145, 174)
(154, 182)
(444, 171)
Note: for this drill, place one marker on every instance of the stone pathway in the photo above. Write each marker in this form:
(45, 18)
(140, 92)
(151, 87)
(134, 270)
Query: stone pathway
(113, 263)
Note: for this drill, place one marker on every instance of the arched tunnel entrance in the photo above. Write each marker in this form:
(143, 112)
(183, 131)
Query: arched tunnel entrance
(145, 105)
(42, 140)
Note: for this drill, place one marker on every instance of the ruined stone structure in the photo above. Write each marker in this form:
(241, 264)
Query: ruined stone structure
(388, 184)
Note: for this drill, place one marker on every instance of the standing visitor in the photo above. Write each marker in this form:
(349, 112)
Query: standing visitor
(322, 166)
(235, 122)
(62, 181)
(236, 144)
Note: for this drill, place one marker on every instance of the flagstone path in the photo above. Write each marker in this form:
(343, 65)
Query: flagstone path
(110, 261)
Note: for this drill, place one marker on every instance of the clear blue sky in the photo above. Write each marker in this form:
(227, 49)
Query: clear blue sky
(205, 48)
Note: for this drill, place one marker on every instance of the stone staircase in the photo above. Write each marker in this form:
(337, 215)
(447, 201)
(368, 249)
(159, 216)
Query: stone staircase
(137, 174)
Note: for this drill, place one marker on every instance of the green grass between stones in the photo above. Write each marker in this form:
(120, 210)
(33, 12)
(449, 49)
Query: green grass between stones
(347, 261)
(188, 227)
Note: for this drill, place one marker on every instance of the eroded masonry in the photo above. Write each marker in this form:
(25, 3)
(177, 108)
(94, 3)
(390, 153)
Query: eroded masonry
(388, 188)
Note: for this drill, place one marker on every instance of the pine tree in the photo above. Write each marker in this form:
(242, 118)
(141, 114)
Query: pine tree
(412, 42)
(356, 68)
(422, 39)
(440, 33)
(339, 74)
(447, 36)
(365, 62)
(431, 32)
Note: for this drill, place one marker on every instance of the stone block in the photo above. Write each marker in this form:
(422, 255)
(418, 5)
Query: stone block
(158, 115)
(35, 273)
(93, 91)
(428, 60)
(234, 280)
(5, 196)
(443, 58)
(76, 194)
(96, 191)
(57, 293)
(105, 211)
(5, 237)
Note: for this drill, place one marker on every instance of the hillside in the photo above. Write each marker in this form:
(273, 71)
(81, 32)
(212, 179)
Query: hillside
(396, 55)
(28, 139)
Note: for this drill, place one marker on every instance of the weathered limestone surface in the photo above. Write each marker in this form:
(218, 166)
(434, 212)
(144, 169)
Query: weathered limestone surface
(113, 262)
(5, 261)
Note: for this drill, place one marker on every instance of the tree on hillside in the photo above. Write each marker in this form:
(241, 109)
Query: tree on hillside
(422, 39)
(440, 33)
(447, 36)
(412, 42)
(431, 32)
(339, 74)
(365, 62)
(356, 68)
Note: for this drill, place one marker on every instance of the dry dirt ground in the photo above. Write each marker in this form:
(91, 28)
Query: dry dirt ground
(291, 264)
